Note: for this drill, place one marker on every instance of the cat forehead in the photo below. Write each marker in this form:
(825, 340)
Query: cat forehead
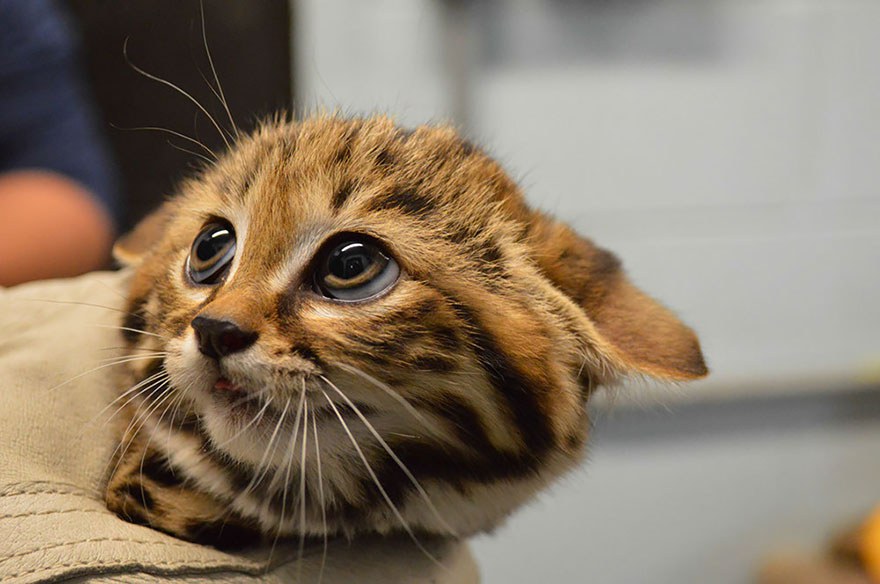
(330, 166)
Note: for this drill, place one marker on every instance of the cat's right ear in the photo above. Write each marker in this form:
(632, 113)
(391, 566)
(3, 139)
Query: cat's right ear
(633, 333)
(130, 249)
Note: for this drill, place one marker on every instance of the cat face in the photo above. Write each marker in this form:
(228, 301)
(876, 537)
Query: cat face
(380, 303)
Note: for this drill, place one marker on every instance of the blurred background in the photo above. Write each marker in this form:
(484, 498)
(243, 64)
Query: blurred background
(727, 150)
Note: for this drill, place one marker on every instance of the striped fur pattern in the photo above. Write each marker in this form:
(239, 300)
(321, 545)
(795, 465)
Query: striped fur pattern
(439, 407)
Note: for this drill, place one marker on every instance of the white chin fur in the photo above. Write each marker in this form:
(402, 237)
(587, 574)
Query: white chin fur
(192, 372)
(249, 445)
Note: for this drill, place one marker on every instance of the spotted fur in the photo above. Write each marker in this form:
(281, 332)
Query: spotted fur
(475, 369)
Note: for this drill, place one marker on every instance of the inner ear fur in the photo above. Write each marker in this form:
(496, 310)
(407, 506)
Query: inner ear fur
(131, 248)
(638, 333)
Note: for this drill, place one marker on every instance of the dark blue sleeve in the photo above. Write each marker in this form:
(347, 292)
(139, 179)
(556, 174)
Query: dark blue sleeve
(46, 119)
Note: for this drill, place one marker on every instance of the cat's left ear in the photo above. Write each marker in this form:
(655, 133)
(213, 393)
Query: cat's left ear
(131, 248)
(634, 333)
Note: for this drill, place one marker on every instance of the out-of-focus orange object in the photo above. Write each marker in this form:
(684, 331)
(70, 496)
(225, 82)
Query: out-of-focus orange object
(870, 545)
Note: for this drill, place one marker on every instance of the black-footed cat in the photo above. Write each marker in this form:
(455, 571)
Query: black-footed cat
(347, 327)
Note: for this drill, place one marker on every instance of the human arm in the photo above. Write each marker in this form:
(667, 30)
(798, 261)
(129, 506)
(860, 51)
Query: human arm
(50, 226)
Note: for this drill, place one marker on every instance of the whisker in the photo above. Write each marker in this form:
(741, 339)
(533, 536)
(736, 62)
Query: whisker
(156, 377)
(175, 88)
(77, 303)
(378, 484)
(320, 495)
(128, 358)
(130, 433)
(83, 374)
(222, 96)
(163, 399)
(130, 329)
(174, 133)
(389, 391)
(188, 151)
(258, 475)
(302, 494)
(393, 456)
(291, 451)
(257, 417)
(122, 348)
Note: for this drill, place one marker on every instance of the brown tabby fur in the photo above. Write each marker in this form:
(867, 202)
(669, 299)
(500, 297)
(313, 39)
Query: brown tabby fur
(500, 327)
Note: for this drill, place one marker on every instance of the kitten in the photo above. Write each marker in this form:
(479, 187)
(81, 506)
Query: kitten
(344, 327)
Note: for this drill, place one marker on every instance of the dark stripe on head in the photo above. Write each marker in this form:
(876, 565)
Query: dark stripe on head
(490, 259)
(249, 177)
(385, 159)
(346, 146)
(446, 338)
(434, 363)
(307, 354)
(406, 202)
(341, 195)
(464, 234)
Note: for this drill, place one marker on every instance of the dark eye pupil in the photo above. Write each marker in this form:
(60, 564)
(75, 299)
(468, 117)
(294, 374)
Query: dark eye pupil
(214, 244)
(349, 261)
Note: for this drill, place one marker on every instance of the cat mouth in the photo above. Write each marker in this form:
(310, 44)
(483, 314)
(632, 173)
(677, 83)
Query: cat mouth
(240, 403)
(225, 386)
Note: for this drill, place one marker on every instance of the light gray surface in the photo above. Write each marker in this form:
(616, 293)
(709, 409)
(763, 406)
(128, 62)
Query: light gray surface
(697, 495)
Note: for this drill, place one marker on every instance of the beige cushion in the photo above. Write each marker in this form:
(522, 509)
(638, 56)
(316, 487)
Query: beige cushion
(54, 448)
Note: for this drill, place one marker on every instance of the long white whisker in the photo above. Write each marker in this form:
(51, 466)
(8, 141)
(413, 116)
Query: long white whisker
(122, 348)
(257, 417)
(83, 374)
(388, 390)
(130, 329)
(192, 152)
(175, 88)
(156, 377)
(393, 456)
(258, 475)
(302, 493)
(320, 495)
(222, 96)
(175, 134)
(378, 484)
(141, 357)
(76, 303)
(130, 432)
(163, 399)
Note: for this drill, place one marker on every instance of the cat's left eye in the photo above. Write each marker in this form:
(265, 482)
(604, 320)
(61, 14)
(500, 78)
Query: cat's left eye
(212, 252)
(354, 267)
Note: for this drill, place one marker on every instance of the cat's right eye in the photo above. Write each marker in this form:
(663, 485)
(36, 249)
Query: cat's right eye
(211, 253)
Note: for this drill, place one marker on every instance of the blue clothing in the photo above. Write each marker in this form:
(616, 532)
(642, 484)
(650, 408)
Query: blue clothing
(46, 119)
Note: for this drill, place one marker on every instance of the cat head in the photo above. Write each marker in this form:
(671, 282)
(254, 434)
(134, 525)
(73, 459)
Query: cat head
(382, 302)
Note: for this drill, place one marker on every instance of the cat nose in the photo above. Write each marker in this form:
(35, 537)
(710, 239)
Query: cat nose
(218, 338)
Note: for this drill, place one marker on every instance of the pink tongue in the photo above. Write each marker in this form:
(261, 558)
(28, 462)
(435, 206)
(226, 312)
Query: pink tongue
(224, 384)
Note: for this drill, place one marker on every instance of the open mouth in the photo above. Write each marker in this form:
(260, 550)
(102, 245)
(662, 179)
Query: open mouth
(241, 404)
(223, 385)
